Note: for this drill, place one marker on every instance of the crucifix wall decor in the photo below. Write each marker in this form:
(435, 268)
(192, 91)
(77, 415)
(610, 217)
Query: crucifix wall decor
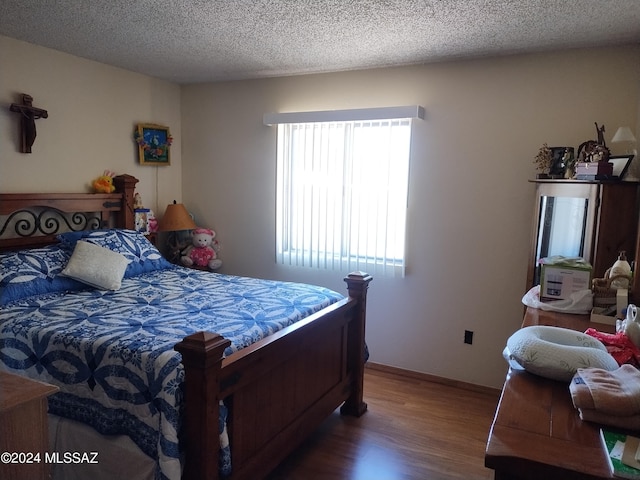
(29, 115)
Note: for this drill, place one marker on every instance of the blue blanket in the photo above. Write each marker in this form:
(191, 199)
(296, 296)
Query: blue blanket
(111, 353)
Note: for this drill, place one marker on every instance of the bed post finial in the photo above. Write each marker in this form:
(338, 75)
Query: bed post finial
(357, 284)
(126, 184)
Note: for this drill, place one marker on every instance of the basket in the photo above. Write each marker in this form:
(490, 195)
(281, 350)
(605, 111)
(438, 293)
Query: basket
(604, 295)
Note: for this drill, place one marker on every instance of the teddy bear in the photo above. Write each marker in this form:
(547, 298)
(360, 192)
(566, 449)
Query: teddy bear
(202, 251)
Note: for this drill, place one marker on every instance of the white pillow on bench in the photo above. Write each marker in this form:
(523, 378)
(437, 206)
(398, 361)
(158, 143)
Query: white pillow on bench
(556, 353)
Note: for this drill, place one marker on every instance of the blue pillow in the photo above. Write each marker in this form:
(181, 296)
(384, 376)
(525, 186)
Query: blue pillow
(142, 255)
(34, 272)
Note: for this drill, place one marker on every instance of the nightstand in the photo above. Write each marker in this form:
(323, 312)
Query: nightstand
(24, 426)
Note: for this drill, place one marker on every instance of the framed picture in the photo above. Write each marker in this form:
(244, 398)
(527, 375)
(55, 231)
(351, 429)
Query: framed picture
(558, 160)
(154, 144)
(620, 165)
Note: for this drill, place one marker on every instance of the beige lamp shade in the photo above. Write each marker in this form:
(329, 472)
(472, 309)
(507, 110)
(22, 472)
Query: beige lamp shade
(623, 134)
(176, 218)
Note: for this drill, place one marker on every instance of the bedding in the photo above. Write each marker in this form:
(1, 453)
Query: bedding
(111, 352)
(38, 270)
(34, 272)
(141, 254)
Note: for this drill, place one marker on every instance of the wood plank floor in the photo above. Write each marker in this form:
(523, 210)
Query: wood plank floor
(413, 430)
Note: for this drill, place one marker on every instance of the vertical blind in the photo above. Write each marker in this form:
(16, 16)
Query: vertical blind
(342, 192)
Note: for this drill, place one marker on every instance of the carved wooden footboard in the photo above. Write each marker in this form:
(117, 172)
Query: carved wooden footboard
(277, 390)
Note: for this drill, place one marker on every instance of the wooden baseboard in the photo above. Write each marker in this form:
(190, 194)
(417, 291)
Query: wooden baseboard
(432, 378)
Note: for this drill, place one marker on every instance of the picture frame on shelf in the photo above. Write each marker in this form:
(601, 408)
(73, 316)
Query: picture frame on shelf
(154, 144)
(620, 165)
(558, 165)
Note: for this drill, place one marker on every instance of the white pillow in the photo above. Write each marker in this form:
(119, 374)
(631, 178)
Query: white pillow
(96, 266)
(557, 353)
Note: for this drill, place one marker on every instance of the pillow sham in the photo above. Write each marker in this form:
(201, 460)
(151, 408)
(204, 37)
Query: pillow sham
(96, 266)
(137, 249)
(33, 272)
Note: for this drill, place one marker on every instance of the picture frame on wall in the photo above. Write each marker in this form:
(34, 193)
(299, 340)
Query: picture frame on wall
(154, 144)
(620, 165)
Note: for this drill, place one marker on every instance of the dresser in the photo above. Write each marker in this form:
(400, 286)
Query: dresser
(23, 427)
(537, 432)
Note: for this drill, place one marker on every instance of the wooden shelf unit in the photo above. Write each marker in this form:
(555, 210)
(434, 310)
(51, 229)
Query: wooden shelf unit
(611, 223)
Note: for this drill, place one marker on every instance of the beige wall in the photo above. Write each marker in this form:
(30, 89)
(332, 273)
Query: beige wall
(470, 201)
(93, 110)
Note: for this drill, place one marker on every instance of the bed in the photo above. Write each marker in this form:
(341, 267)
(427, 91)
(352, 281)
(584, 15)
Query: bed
(265, 391)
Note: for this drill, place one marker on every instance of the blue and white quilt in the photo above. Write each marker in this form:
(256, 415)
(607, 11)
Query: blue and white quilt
(111, 353)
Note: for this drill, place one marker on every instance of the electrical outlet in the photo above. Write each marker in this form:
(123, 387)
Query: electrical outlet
(468, 337)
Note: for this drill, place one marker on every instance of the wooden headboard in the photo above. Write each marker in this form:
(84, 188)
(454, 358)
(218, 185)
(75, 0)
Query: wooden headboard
(29, 220)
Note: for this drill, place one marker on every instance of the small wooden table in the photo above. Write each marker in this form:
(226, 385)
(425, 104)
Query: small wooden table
(24, 427)
(537, 432)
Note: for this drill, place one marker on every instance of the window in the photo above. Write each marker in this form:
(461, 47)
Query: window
(342, 190)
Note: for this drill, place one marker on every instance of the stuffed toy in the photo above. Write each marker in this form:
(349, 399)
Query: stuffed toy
(104, 183)
(202, 251)
(144, 220)
(137, 201)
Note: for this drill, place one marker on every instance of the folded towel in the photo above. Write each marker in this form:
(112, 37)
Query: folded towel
(580, 393)
(614, 392)
(630, 422)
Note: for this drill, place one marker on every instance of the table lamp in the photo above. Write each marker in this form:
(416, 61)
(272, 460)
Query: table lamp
(625, 135)
(176, 218)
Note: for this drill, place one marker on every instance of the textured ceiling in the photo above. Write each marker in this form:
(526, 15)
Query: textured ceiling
(188, 41)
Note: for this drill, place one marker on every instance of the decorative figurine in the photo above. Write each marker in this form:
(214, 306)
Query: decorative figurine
(594, 150)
